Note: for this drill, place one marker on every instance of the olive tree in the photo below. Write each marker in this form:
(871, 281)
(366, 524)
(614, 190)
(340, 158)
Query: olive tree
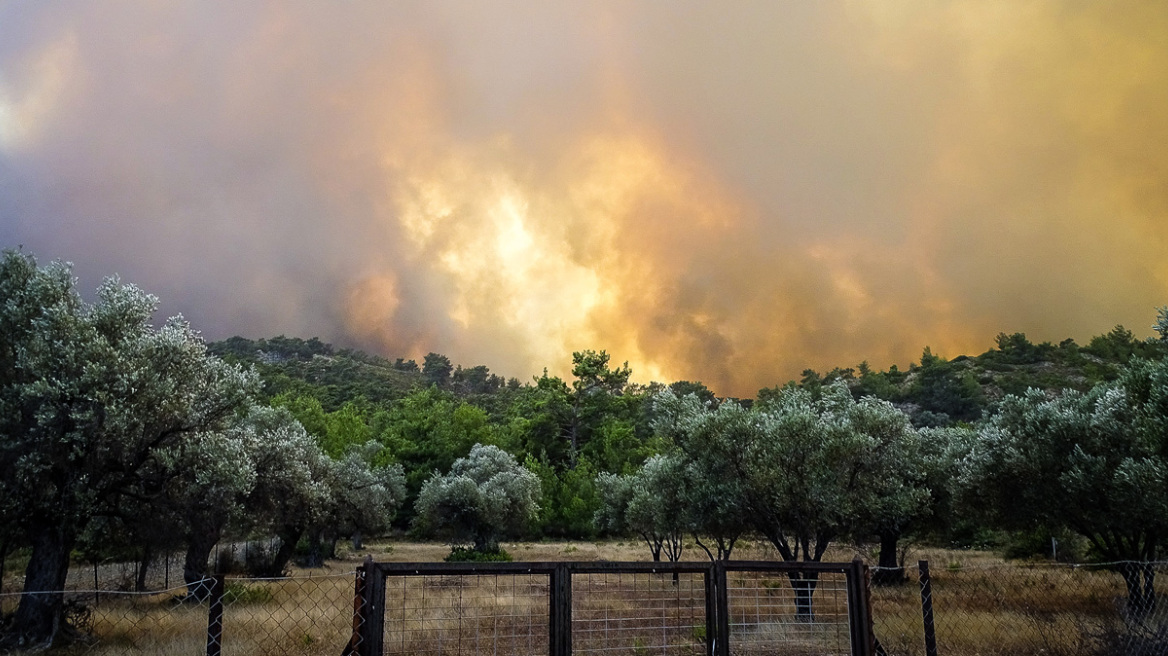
(1094, 462)
(485, 496)
(713, 510)
(363, 500)
(807, 469)
(91, 396)
(311, 496)
(215, 474)
(650, 502)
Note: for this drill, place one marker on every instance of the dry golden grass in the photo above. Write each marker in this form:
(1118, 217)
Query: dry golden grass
(982, 607)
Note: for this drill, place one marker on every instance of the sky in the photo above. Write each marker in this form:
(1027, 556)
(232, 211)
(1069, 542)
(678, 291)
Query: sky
(725, 192)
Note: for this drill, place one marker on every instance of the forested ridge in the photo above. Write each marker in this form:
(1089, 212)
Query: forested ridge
(933, 390)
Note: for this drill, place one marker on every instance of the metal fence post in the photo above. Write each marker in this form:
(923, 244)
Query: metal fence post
(215, 617)
(721, 632)
(711, 609)
(560, 627)
(927, 608)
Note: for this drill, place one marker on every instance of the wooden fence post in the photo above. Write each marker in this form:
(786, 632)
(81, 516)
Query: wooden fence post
(927, 608)
(215, 617)
(373, 620)
(354, 646)
(859, 609)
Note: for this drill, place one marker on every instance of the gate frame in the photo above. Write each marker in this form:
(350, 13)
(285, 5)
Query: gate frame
(369, 604)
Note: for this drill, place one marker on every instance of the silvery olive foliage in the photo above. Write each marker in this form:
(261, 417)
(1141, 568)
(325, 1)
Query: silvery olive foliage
(485, 496)
(301, 491)
(365, 498)
(714, 512)
(658, 505)
(804, 470)
(1094, 462)
(1161, 325)
(93, 399)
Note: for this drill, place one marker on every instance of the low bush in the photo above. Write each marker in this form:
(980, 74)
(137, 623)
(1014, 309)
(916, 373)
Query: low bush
(468, 555)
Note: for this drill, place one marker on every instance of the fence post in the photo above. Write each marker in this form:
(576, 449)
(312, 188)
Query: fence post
(722, 628)
(711, 610)
(215, 617)
(560, 628)
(373, 616)
(927, 608)
(354, 646)
(859, 611)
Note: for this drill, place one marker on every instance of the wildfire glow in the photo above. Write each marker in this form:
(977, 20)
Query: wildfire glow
(720, 193)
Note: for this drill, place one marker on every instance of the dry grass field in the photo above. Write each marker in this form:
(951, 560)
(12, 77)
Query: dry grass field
(982, 607)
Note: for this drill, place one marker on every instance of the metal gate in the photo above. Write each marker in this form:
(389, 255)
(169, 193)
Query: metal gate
(722, 608)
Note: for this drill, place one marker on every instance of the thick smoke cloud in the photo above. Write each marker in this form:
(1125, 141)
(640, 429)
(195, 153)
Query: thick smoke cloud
(713, 193)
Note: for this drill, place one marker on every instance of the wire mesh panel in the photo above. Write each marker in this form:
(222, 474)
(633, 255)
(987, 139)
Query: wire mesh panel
(793, 612)
(503, 614)
(631, 612)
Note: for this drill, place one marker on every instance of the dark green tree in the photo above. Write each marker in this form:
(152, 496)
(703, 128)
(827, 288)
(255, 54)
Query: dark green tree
(436, 369)
(594, 386)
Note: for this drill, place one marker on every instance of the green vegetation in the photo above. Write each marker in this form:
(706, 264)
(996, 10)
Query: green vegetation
(124, 439)
(485, 497)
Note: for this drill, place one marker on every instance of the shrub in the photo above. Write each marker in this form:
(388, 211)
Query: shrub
(470, 555)
(235, 592)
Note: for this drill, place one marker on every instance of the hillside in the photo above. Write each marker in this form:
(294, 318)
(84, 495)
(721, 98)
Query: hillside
(938, 392)
(933, 391)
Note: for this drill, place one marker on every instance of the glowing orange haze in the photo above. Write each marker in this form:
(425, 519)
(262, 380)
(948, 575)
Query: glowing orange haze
(715, 195)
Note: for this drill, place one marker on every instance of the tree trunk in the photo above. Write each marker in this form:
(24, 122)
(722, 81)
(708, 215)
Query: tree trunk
(143, 566)
(888, 569)
(39, 618)
(356, 538)
(804, 583)
(288, 539)
(3, 558)
(315, 557)
(1140, 579)
(201, 540)
(486, 544)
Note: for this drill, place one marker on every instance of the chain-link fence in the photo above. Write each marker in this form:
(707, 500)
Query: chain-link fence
(306, 616)
(1023, 609)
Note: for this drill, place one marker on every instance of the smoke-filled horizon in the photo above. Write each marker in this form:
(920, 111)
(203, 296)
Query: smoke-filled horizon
(724, 193)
